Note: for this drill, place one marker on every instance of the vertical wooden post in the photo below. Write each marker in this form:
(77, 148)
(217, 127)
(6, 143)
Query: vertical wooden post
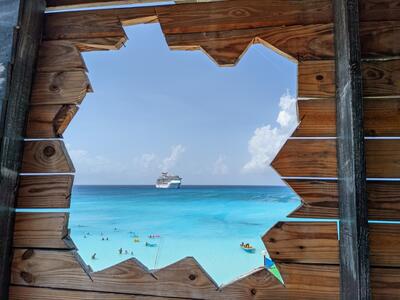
(20, 35)
(353, 206)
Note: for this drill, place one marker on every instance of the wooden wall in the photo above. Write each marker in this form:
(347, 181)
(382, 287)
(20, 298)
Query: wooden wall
(46, 264)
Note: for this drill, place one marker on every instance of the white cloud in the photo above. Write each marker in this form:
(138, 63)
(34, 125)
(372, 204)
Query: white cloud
(267, 140)
(146, 161)
(220, 166)
(171, 160)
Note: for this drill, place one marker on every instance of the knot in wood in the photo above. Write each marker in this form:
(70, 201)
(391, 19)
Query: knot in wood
(253, 292)
(319, 77)
(239, 13)
(27, 254)
(54, 88)
(49, 151)
(26, 276)
(192, 277)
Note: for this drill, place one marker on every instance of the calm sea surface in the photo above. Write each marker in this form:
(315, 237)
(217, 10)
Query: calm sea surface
(205, 222)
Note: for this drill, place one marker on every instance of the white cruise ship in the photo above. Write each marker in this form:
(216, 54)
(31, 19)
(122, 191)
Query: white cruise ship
(166, 181)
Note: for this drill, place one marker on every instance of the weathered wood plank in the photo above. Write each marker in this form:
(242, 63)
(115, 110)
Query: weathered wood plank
(227, 47)
(317, 158)
(44, 191)
(380, 79)
(96, 29)
(317, 243)
(241, 14)
(320, 199)
(298, 42)
(245, 14)
(316, 79)
(49, 121)
(316, 282)
(303, 242)
(24, 293)
(310, 282)
(46, 157)
(60, 87)
(63, 270)
(18, 54)
(307, 158)
(59, 56)
(318, 117)
(379, 10)
(184, 279)
(258, 284)
(42, 230)
(380, 39)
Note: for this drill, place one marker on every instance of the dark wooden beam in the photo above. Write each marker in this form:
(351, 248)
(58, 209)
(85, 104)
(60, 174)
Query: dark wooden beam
(20, 32)
(353, 205)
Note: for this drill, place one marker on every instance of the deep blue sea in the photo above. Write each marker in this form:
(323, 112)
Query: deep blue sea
(206, 222)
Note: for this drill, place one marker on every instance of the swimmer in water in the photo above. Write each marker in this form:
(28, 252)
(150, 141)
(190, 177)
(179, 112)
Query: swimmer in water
(94, 256)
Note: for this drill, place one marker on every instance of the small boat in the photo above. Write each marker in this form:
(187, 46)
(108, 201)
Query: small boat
(150, 245)
(248, 248)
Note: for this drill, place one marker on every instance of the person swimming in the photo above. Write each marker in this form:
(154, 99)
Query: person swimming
(94, 256)
(120, 250)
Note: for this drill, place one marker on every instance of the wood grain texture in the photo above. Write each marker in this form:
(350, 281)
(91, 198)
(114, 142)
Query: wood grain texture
(317, 243)
(49, 121)
(241, 14)
(310, 282)
(227, 47)
(96, 29)
(320, 199)
(381, 78)
(297, 42)
(380, 39)
(59, 56)
(20, 33)
(46, 157)
(60, 87)
(185, 278)
(379, 10)
(258, 284)
(24, 293)
(306, 158)
(315, 282)
(318, 117)
(303, 242)
(42, 230)
(316, 79)
(317, 158)
(44, 191)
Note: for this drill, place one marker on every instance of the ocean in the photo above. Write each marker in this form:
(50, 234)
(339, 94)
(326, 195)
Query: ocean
(205, 222)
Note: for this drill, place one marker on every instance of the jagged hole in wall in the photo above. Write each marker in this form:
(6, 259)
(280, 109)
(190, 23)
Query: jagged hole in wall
(156, 110)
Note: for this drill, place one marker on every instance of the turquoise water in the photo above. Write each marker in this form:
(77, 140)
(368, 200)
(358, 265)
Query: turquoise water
(207, 223)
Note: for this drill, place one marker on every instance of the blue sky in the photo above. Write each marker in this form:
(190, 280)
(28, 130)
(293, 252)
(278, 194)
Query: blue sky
(156, 110)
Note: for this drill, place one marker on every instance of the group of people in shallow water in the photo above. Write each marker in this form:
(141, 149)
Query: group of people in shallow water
(247, 245)
(122, 251)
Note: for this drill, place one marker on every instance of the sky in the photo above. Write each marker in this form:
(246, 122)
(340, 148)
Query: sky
(157, 110)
